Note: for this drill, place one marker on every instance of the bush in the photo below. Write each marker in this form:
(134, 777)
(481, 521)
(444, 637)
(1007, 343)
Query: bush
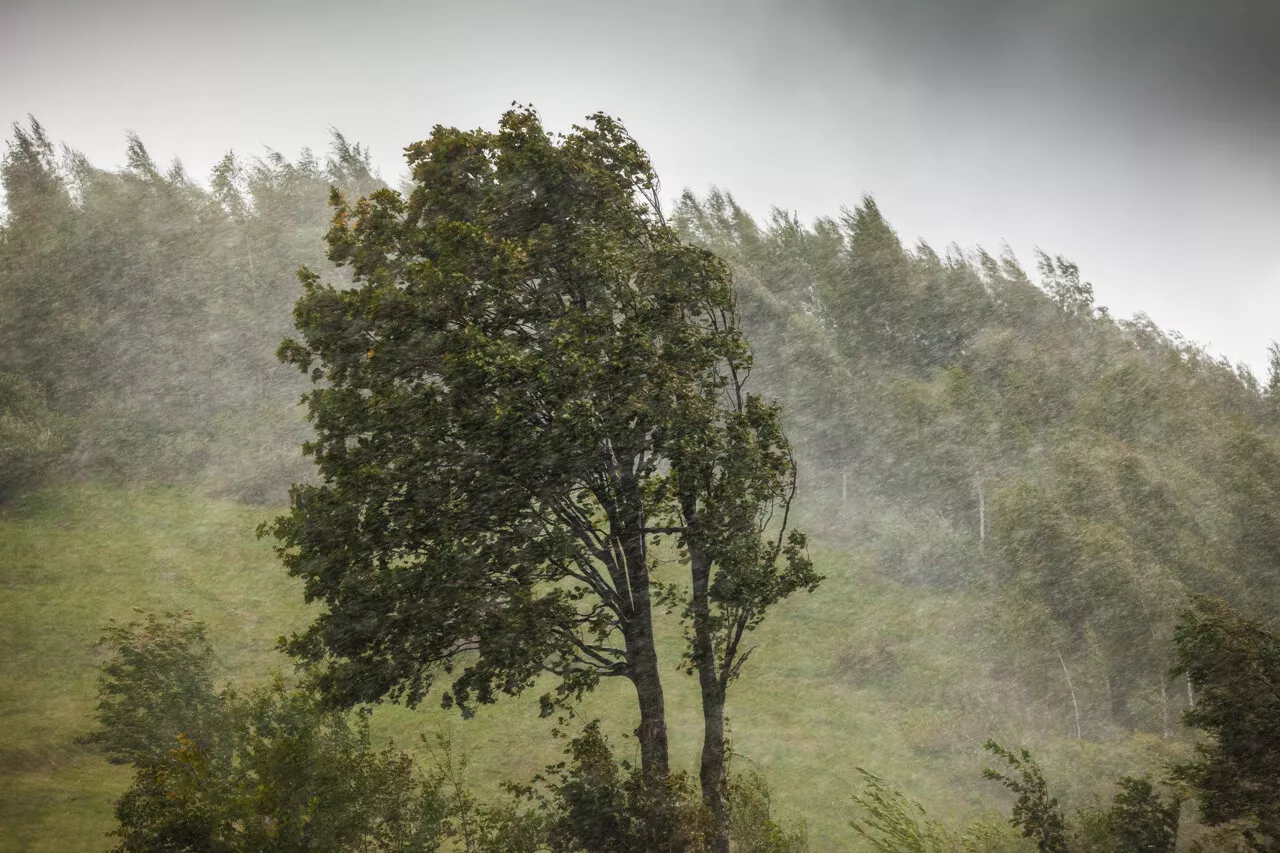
(1139, 820)
(271, 770)
(154, 688)
(276, 770)
(753, 828)
(893, 823)
(1035, 813)
(600, 805)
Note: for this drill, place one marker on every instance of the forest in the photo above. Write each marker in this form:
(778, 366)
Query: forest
(608, 522)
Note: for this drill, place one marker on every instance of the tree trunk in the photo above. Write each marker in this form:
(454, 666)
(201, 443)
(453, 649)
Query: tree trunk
(712, 773)
(1071, 687)
(642, 655)
(1164, 705)
(982, 517)
(652, 731)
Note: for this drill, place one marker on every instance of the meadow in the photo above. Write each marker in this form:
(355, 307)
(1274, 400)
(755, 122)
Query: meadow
(865, 672)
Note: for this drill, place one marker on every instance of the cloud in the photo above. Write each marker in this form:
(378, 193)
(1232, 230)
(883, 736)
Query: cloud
(1212, 59)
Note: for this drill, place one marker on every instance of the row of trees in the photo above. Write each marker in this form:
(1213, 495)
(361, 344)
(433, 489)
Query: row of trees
(965, 423)
(969, 426)
(139, 312)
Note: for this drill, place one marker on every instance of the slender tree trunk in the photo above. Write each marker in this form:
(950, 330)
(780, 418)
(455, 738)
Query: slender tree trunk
(712, 772)
(1164, 705)
(982, 517)
(1071, 687)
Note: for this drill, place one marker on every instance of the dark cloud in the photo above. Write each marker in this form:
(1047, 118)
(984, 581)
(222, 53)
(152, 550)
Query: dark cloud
(1218, 59)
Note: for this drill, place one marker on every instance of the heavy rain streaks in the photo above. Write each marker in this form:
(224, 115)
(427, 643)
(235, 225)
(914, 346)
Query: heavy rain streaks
(811, 427)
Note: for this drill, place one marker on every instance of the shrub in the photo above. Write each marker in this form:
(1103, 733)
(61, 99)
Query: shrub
(753, 828)
(155, 686)
(600, 805)
(271, 770)
(893, 823)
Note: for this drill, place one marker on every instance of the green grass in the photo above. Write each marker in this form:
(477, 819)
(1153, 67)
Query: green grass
(864, 672)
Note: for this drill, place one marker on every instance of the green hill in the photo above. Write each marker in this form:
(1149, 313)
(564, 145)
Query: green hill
(865, 672)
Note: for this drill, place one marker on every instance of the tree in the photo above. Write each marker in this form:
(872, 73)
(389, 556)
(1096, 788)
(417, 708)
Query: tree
(218, 772)
(1139, 820)
(868, 305)
(156, 686)
(45, 322)
(1035, 813)
(1233, 664)
(532, 380)
(1271, 391)
(1061, 280)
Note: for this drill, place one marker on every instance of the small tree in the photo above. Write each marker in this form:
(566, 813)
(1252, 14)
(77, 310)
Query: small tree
(1233, 664)
(531, 381)
(271, 770)
(1035, 813)
(893, 823)
(1139, 821)
(155, 686)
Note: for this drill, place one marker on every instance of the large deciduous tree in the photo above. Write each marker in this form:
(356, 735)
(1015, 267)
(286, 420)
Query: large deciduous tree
(532, 379)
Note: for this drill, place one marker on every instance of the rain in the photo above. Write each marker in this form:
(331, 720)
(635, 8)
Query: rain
(588, 427)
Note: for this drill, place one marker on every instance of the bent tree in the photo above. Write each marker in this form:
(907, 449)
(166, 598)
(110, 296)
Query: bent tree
(529, 381)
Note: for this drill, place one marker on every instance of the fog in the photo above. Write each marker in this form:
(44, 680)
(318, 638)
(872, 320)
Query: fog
(1007, 268)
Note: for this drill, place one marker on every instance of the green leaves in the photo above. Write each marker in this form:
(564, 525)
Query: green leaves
(1233, 664)
(155, 686)
(894, 823)
(270, 770)
(528, 355)
(1035, 812)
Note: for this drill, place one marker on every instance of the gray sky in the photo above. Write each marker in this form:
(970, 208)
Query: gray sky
(1140, 138)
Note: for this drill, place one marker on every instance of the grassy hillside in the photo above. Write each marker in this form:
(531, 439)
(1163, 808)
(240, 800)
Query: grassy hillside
(865, 672)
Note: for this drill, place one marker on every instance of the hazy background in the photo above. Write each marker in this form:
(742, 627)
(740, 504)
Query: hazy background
(1137, 137)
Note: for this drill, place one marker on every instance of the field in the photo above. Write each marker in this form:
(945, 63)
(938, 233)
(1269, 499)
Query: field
(863, 673)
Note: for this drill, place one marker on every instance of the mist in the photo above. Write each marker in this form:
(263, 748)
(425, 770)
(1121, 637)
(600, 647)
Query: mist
(1005, 268)
(1108, 132)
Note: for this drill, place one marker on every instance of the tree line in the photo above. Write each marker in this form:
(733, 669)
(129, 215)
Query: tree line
(972, 427)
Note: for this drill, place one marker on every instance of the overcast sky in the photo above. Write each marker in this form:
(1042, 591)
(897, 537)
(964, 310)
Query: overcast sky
(1140, 138)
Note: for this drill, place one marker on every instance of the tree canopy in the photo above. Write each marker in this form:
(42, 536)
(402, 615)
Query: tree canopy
(531, 380)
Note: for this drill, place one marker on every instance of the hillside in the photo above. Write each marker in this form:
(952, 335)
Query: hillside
(899, 685)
